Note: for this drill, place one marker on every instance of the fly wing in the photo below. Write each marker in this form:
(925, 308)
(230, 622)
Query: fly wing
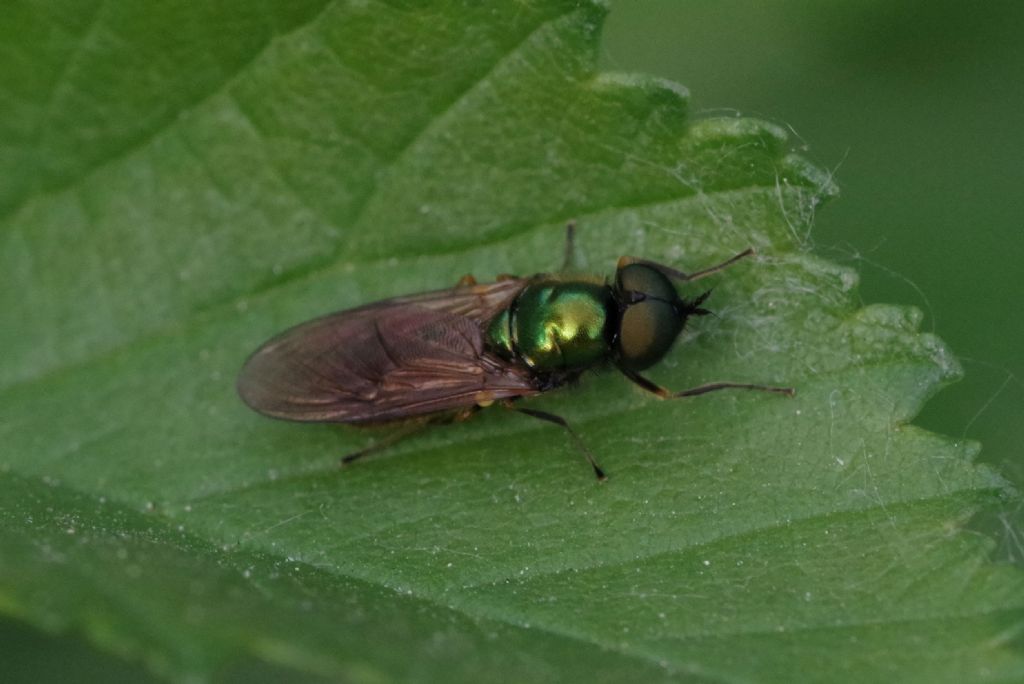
(394, 359)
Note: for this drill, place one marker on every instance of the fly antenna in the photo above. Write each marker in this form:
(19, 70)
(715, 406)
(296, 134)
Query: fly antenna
(686, 277)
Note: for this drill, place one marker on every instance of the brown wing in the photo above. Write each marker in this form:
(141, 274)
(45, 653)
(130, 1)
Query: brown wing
(398, 358)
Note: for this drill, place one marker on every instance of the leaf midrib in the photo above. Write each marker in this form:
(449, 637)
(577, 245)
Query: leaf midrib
(128, 147)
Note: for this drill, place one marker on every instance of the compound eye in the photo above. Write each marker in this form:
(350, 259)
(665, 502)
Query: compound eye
(649, 281)
(647, 330)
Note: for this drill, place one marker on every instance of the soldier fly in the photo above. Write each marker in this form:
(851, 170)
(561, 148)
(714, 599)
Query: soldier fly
(440, 356)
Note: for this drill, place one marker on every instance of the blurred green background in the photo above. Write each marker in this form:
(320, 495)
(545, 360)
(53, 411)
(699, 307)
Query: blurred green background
(917, 107)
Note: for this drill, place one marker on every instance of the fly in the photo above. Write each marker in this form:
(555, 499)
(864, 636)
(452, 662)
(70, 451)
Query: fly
(441, 356)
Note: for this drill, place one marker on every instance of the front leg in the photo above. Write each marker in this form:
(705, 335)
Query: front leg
(665, 393)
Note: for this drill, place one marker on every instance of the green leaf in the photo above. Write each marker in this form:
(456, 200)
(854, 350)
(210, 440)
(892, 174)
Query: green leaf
(181, 183)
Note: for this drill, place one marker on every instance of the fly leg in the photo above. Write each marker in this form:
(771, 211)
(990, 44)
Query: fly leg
(387, 441)
(558, 420)
(568, 261)
(414, 427)
(702, 389)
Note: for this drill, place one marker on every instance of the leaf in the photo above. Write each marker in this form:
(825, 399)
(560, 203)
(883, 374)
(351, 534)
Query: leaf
(185, 182)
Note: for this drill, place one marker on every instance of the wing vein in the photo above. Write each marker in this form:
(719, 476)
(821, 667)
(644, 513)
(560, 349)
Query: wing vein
(399, 358)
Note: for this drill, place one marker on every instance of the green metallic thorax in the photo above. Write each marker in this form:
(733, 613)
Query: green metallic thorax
(555, 325)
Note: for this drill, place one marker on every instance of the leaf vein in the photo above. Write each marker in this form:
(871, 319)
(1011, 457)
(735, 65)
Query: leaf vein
(130, 146)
